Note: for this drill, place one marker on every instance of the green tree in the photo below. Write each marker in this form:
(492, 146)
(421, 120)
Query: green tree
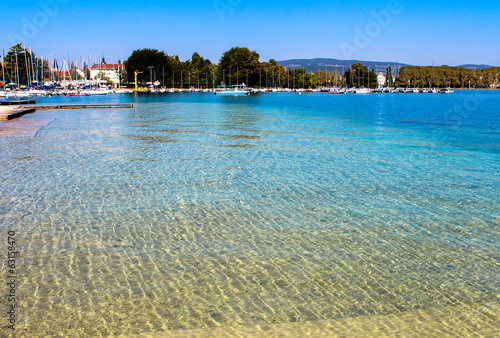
(389, 81)
(357, 75)
(373, 79)
(327, 78)
(238, 63)
(196, 70)
(143, 59)
(15, 64)
(86, 70)
(74, 74)
(446, 76)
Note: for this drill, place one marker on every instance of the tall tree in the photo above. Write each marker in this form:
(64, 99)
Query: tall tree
(372, 76)
(86, 70)
(389, 81)
(357, 76)
(197, 69)
(15, 64)
(236, 64)
(149, 61)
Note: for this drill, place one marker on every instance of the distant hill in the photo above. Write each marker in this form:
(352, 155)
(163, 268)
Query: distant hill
(312, 65)
(470, 66)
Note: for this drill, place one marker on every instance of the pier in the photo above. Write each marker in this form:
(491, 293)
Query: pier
(9, 113)
(16, 103)
(13, 109)
(85, 106)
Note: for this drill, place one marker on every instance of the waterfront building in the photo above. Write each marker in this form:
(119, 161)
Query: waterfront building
(111, 72)
(380, 79)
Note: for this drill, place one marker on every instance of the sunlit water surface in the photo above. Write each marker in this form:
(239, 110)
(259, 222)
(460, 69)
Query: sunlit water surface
(199, 212)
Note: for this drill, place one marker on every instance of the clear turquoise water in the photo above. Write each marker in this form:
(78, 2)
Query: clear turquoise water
(197, 211)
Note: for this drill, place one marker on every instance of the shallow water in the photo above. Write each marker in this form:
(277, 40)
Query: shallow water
(193, 211)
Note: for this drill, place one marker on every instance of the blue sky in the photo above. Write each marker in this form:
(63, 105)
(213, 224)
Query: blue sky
(415, 32)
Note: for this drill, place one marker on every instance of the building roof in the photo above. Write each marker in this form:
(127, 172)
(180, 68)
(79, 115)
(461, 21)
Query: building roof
(108, 66)
(62, 73)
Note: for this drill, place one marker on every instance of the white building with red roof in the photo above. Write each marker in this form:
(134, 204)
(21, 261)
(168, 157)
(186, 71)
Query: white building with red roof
(104, 71)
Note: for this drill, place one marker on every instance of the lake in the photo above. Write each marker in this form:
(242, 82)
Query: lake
(300, 214)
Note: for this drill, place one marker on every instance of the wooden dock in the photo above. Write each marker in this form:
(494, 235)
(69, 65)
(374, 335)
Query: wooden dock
(85, 106)
(14, 112)
(13, 109)
(16, 103)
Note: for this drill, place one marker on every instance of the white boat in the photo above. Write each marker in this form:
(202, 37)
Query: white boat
(363, 91)
(337, 91)
(238, 90)
(99, 92)
(446, 91)
(37, 92)
(124, 91)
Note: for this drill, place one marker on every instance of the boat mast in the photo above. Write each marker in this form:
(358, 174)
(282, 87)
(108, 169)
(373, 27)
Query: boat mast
(33, 64)
(42, 71)
(28, 71)
(266, 77)
(31, 72)
(17, 69)
(3, 67)
(51, 68)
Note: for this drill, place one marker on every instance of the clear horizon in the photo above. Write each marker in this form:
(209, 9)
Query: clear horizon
(418, 33)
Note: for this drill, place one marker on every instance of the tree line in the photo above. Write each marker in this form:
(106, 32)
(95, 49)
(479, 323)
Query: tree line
(241, 65)
(237, 66)
(446, 76)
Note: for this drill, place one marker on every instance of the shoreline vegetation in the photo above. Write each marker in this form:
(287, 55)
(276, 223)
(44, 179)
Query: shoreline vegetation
(21, 68)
